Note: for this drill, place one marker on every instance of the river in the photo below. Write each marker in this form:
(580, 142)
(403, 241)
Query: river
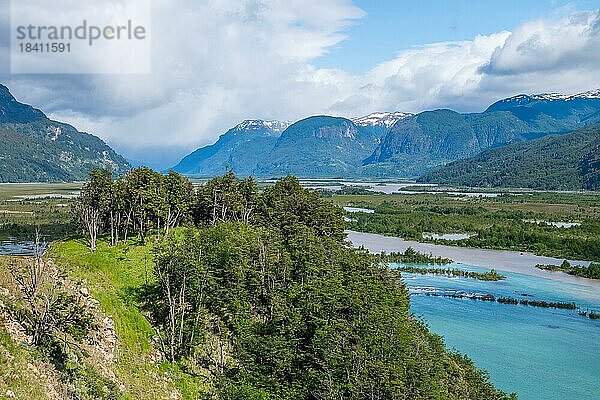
(539, 353)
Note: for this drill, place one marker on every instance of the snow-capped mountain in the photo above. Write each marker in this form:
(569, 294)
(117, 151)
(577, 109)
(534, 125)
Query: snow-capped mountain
(388, 143)
(240, 149)
(525, 98)
(259, 124)
(383, 119)
(592, 94)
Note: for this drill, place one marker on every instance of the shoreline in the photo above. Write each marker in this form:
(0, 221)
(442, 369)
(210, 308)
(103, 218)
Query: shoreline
(500, 260)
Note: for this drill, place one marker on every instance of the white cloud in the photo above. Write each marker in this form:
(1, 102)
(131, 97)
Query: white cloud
(217, 62)
(541, 46)
(436, 75)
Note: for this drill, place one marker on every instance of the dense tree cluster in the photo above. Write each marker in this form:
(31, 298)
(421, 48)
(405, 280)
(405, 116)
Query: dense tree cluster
(264, 297)
(591, 272)
(491, 275)
(260, 293)
(411, 256)
(136, 202)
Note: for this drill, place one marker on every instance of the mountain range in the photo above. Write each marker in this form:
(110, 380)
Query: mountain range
(318, 146)
(34, 148)
(529, 131)
(555, 162)
(400, 145)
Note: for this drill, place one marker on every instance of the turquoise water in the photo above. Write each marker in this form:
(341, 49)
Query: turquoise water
(539, 353)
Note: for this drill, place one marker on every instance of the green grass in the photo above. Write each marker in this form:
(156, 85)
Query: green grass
(16, 372)
(113, 275)
(9, 190)
(570, 206)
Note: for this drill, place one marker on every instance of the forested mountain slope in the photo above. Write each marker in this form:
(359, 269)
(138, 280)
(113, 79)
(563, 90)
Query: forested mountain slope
(34, 148)
(557, 162)
(425, 141)
(396, 144)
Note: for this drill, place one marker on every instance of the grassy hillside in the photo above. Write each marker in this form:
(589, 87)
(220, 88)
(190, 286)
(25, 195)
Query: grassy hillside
(558, 162)
(273, 307)
(113, 276)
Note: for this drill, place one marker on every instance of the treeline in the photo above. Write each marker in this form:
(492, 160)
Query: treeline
(538, 303)
(410, 256)
(261, 295)
(511, 300)
(591, 272)
(590, 314)
(508, 300)
(482, 276)
(144, 200)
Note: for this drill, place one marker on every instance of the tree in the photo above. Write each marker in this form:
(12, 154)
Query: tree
(265, 294)
(138, 202)
(179, 197)
(287, 203)
(93, 203)
(225, 199)
(119, 211)
(146, 194)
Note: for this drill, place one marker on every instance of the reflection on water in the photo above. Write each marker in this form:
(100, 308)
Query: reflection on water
(381, 187)
(558, 224)
(358, 209)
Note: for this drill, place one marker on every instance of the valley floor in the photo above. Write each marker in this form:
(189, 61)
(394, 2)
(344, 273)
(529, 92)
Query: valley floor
(502, 260)
(561, 225)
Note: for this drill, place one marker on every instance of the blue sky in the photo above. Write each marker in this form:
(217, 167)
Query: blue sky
(391, 26)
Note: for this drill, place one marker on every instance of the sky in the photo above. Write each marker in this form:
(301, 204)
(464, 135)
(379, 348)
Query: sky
(391, 26)
(218, 62)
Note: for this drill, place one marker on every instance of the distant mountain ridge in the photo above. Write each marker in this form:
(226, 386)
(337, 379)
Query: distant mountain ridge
(393, 144)
(431, 139)
(241, 149)
(555, 162)
(34, 148)
(320, 146)
(314, 146)
(525, 98)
